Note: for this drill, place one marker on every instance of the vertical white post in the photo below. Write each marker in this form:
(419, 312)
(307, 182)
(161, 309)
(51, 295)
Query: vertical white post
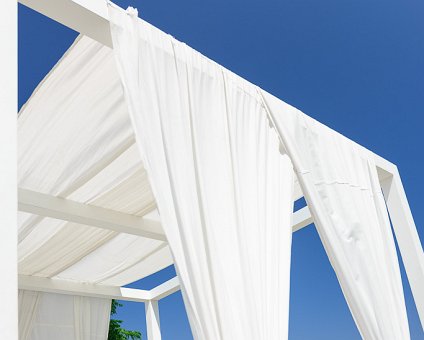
(8, 196)
(407, 237)
(152, 320)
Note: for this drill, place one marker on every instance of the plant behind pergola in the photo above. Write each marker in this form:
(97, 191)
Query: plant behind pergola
(116, 332)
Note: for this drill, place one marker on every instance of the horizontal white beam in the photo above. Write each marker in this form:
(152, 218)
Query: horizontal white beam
(64, 209)
(89, 17)
(167, 288)
(67, 210)
(301, 219)
(59, 286)
(66, 287)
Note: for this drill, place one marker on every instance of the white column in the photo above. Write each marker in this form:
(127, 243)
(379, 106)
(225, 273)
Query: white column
(152, 320)
(407, 237)
(8, 197)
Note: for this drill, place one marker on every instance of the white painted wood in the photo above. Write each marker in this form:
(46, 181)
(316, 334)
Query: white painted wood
(8, 115)
(66, 287)
(302, 218)
(89, 17)
(59, 286)
(407, 238)
(165, 289)
(55, 207)
(64, 209)
(152, 320)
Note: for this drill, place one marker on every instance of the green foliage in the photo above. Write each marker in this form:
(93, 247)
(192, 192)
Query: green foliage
(116, 332)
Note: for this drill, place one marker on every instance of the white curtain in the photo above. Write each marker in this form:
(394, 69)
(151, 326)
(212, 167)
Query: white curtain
(28, 309)
(223, 189)
(76, 142)
(48, 316)
(340, 183)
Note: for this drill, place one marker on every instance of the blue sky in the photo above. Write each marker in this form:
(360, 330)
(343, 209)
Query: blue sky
(357, 66)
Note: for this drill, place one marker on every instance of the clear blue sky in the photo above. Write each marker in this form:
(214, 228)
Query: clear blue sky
(357, 66)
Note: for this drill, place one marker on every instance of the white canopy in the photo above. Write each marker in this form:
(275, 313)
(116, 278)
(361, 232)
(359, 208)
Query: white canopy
(76, 142)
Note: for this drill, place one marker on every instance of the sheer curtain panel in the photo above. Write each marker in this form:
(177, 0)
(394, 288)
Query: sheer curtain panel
(48, 316)
(223, 189)
(340, 182)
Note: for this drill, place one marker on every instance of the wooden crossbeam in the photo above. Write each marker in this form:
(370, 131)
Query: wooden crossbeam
(68, 210)
(64, 209)
(66, 287)
(165, 289)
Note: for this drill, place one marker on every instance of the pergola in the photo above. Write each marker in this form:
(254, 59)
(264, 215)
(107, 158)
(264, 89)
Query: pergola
(135, 216)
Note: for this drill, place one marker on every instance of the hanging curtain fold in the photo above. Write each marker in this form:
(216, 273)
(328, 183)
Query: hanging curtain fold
(195, 124)
(223, 189)
(340, 183)
(56, 316)
(28, 310)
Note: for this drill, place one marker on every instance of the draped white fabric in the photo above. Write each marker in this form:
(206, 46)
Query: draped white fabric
(28, 308)
(76, 142)
(223, 190)
(45, 316)
(340, 183)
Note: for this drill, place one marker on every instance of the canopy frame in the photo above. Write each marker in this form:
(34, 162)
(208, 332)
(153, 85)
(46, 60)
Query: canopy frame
(90, 17)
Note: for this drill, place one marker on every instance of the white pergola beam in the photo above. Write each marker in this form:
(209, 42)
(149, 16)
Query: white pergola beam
(167, 288)
(89, 17)
(66, 287)
(64, 209)
(60, 286)
(67, 210)
(301, 219)
(407, 238)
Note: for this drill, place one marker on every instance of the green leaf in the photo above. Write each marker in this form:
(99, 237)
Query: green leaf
(116, 332)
